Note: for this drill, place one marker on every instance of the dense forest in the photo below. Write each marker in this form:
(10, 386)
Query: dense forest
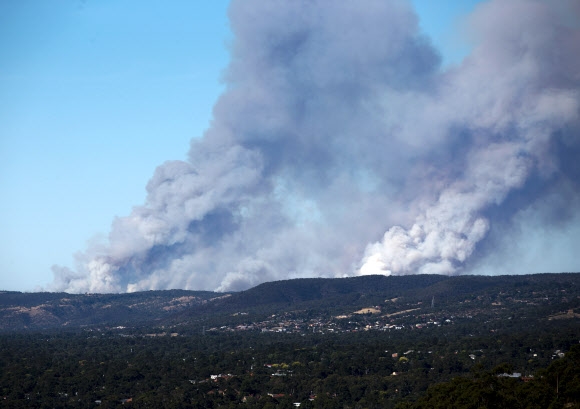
(464, 342)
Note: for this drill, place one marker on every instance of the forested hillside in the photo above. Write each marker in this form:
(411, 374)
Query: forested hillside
(19, 311)
(367, 342)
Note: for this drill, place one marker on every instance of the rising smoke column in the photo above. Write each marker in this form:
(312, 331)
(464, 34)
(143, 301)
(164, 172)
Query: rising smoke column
(516, 100)
(337, 125)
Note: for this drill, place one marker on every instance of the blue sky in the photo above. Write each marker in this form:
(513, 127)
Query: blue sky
(94, 95)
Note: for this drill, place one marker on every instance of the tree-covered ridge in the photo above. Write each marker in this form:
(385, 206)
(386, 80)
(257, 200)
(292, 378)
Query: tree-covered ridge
(370, 342)
(544, 293)
(295, 291)
(52, 310)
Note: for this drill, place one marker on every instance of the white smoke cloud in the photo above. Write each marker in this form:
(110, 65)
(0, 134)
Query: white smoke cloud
(338, 125)
(513, 97)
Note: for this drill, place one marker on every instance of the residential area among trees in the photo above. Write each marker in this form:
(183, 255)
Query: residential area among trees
(498, 342)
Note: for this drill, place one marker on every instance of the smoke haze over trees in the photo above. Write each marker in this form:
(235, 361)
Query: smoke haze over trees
(341, 147)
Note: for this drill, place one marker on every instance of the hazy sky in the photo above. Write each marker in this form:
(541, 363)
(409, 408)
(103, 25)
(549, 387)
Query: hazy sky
(94, 95)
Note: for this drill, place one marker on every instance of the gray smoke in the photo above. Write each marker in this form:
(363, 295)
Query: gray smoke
(340, 147)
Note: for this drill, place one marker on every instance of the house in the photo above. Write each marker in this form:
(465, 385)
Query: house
(513, 375)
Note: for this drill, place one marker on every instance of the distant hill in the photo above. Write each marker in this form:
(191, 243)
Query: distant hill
(53, 310)
(34, 311)
(327, 291)
(355, 291)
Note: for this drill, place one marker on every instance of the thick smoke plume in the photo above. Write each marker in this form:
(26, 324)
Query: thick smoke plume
(341, 147)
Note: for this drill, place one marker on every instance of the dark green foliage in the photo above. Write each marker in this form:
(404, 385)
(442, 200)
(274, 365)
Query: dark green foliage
(344, 370)
(449, 355)
(555, 387)
(317, 289)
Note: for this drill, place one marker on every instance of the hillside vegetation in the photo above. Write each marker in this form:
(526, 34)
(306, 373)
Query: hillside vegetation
(365, 342)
